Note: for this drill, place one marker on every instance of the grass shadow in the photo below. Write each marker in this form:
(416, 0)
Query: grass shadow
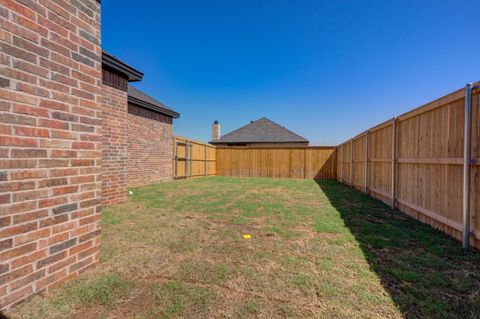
(426, 272)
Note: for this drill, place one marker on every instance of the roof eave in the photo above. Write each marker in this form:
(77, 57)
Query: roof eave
(153, 107)
(255, 142)
(117, 65)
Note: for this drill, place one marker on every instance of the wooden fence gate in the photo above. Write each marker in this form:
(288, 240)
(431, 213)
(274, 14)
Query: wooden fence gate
(192, 158)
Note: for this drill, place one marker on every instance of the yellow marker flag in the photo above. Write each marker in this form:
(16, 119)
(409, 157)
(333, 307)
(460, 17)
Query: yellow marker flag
(247, 236)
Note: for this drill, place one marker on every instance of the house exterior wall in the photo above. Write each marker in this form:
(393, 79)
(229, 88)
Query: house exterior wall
(50, 149)
(150, 151)
(114, 141)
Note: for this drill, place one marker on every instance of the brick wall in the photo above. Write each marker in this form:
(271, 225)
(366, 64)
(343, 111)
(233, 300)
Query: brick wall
(114, 146)
(50, 82)
(150, 151)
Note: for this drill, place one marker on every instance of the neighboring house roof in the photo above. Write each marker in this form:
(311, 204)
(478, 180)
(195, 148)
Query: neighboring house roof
(137, 97)
(261, 131)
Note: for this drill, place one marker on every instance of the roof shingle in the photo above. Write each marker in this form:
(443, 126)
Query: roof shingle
(135, 96)
(261, 131)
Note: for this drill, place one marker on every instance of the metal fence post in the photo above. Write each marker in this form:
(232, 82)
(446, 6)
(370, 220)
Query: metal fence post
(467, 161)
(176, 159)
(394, 143)
(366, 163)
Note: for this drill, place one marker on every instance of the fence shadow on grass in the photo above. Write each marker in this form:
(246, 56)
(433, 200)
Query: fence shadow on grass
(425, 272)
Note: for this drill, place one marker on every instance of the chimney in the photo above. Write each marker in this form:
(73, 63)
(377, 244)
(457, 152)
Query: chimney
(215, 131)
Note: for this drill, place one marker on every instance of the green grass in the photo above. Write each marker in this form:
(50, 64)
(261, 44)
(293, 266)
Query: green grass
(318, 250)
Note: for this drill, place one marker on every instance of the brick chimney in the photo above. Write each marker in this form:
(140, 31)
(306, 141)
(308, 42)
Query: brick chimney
(215, 131)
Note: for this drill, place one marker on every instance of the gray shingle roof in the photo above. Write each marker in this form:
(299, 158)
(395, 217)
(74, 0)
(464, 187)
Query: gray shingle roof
(137, 97)
(261, 131)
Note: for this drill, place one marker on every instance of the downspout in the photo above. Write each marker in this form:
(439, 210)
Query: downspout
(467, 161)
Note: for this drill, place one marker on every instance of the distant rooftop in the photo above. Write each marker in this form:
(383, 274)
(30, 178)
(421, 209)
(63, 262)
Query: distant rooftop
(261, 131)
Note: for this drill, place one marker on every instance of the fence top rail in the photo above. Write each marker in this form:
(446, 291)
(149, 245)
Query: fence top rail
(446, 99)
(184, 139)
(359, 135)
(276, 147)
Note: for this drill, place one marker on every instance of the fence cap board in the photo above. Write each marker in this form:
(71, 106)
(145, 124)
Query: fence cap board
(449, 98)
(181, 138)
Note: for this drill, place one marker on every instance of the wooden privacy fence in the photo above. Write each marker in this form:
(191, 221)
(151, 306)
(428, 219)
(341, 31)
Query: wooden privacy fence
(415, 162)
(192, 158)
(279, 162)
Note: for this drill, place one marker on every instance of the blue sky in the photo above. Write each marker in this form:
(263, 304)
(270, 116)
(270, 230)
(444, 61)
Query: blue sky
(327, 70)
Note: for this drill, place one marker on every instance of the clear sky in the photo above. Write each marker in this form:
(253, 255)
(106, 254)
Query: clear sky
(326, 70)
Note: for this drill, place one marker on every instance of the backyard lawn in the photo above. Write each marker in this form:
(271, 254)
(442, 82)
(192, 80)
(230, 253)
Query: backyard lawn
(317, 250)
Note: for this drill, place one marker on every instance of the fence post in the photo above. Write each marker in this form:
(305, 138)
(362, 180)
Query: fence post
(175, 158)
(394, 160)
(366, 163)
(305, 163)
(467, 161)
(206, 160)
(191, 162)
(186, 159)
(351, 162)
(340, 158)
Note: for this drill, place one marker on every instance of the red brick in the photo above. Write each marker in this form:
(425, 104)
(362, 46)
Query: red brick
(31, 195)
(50, 133)
(51, 259)
(26, 217)
(53, 182)
(17, 164)
(30, 110)
(26, 280)
(63, 172)
(6, 244)
(64, 190)
(80, 247)
(48, 202)
(31, 236)
(15, 296)
(55, 236)
(82, 162)
(16, 230)
(54, 105)
(54, 220)
(16, 141)
(5, 198)
(61, 264)
(28, 153)
(80, 264)
(53, 163)
(30, 68)
(18, 251)
(53, 124)
(51, 278)
(17, 208)
(28, 131)
(16, 186)
(28, 259)
(83, 145)
(30, 174)
(64, 153)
